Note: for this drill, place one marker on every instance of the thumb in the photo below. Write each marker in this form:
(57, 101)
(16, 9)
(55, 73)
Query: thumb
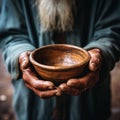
(96, 60)
(24, 60)
(93, 66)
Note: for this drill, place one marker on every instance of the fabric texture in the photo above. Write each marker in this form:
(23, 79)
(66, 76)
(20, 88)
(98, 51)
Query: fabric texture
(97, 25)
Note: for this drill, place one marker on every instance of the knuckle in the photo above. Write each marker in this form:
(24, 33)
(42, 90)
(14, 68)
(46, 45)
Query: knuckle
(42, 95)
(63, 85)
(24, 75)
(97, 50)
(24, 63)
(34, 84)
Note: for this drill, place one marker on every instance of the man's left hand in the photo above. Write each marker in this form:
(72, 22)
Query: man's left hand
(76, 86)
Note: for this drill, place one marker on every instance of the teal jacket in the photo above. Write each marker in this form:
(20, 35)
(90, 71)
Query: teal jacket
(97, 25)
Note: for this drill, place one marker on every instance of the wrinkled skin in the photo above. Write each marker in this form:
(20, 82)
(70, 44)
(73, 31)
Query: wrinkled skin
(75, 86)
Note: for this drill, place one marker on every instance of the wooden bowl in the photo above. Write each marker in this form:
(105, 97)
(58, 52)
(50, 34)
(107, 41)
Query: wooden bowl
(59, 62)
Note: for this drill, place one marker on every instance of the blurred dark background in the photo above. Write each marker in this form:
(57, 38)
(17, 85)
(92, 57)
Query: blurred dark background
(6, 93)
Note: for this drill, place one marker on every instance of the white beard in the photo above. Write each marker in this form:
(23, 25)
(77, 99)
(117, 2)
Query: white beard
(56, 14)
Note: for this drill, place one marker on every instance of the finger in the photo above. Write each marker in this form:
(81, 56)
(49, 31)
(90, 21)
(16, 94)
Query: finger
(44, 94)
(69, 90)
(31, 78)
(85, 82)
(74, 83)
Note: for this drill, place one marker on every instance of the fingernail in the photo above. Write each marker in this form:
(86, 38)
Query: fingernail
(51, 87)
(58, 94)
(94, 66)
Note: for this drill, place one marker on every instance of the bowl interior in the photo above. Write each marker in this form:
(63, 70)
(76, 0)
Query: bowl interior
(60, 56)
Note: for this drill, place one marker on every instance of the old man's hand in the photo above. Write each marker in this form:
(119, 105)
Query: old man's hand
(44, 89)
(76, 86)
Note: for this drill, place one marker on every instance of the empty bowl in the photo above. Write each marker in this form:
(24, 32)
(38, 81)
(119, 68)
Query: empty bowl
(59, 62)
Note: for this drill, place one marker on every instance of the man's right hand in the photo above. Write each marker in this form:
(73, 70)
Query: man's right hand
(42, 88)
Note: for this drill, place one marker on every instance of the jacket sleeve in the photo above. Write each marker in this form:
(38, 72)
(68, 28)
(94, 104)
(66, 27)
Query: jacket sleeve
(107, 33)
(14, 38)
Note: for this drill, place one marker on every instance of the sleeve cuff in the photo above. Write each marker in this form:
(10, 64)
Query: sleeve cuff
(12, 61)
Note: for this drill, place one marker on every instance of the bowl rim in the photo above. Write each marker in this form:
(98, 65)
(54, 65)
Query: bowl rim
(59, 67)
